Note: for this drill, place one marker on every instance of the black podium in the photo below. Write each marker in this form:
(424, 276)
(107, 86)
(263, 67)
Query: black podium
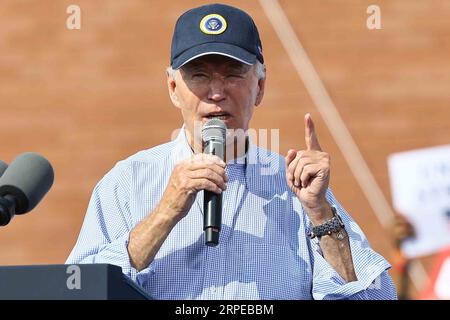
(67, 282)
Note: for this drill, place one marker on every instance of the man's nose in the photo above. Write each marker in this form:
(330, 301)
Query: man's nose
(217, 88)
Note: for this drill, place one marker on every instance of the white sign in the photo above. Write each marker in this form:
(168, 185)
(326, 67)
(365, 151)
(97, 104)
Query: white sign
(420, 186)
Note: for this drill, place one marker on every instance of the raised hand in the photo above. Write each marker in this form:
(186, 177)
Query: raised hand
(308, 171)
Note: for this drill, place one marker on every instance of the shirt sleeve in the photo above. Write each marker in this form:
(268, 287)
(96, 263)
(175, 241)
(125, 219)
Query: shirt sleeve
(371, 268)
(105, 231)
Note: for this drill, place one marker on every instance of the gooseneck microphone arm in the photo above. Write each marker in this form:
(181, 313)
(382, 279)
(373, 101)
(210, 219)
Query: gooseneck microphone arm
(7, 204)
(7, 209)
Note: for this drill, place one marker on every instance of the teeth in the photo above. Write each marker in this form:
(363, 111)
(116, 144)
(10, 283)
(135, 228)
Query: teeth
(219, 116)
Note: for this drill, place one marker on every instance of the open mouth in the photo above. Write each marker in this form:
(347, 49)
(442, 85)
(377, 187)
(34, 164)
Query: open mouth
(218, 115)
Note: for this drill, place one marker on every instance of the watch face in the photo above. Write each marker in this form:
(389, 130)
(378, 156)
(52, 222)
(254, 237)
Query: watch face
(340, 235)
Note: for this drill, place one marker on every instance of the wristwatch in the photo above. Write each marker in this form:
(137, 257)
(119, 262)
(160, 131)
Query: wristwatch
(334, 225)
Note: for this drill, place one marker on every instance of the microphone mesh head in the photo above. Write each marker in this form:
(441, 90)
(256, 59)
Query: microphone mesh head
(28, 178)
(3, 167)
(214, 129)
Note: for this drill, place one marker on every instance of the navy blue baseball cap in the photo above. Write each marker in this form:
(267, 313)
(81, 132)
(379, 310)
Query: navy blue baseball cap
(215, 29)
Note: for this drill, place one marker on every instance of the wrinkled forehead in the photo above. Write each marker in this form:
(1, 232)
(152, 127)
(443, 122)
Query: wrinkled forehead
(215, 61)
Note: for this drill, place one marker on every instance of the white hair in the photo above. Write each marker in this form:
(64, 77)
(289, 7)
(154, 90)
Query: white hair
(260, 71)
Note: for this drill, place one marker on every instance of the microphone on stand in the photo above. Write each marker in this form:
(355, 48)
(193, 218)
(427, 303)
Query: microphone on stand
(3, 167)
(213, 134)
(23, 185)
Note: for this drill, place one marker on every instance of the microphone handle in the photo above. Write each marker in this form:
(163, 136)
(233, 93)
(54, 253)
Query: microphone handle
(212, 218)
(212, 202)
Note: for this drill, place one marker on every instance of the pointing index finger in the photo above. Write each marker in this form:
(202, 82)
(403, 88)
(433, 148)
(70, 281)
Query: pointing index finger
(312, 143)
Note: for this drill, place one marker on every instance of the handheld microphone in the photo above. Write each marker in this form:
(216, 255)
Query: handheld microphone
(213, 134)
(23, 185)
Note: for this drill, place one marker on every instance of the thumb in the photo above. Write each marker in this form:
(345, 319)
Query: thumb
(312, 143)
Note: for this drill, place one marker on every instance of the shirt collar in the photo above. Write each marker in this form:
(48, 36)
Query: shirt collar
(183, 151)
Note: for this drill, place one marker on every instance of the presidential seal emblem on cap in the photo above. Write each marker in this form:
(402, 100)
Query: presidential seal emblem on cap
(215, 29)
(213, 24)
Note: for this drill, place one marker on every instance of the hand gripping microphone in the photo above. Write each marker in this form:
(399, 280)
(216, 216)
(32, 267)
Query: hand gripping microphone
(23, 184)
(213, 134)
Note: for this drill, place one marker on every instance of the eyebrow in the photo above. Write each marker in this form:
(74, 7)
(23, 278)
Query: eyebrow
(193, 66)
(239, 66)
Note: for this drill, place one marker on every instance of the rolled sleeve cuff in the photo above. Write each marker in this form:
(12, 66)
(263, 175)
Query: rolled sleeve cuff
(116, 253)
(368, 265)
(140, 277)
(328, 284)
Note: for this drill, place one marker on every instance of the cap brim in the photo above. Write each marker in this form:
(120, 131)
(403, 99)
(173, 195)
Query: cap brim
(224, 49)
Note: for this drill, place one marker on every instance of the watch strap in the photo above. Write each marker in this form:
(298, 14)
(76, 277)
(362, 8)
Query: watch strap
(333, 225)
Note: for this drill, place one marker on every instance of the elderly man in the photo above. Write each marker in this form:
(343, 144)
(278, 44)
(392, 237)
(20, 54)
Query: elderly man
(283, 234)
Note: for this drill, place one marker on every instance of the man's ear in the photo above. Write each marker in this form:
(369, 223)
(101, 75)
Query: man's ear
(172, 86)
(260, 94)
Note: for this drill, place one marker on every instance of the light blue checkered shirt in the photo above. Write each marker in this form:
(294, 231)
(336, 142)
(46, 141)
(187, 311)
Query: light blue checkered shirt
(263, 252)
